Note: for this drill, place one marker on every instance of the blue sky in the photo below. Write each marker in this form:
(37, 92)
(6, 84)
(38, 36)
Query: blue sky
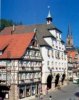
(64, 12)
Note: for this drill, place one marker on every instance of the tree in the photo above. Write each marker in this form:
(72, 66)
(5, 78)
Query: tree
(6, 23)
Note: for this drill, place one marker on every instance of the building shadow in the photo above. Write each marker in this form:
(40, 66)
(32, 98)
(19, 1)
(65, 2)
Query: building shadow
(2, 95)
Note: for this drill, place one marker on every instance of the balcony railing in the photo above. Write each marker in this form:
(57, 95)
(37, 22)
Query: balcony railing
(2, 82)
(2, 67)
(30, 80)
(29, 68)
(22, 81)
(5, 82)
(32, 57)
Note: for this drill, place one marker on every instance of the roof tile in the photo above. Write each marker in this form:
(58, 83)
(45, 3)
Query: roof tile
(16, 44)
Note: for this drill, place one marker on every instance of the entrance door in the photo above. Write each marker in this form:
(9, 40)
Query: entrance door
(49, 81)
(4, 92)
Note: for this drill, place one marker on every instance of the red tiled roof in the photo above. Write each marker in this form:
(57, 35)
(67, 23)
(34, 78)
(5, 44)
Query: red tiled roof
(4, 41)
(16, 44)
(71, 54)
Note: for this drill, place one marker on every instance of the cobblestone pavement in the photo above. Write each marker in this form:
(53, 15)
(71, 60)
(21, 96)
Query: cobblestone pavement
(69, 92)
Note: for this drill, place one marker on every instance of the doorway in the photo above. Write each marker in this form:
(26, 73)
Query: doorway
(49, 81)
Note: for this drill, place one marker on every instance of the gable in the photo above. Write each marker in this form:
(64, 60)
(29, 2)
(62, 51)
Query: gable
(17, 44)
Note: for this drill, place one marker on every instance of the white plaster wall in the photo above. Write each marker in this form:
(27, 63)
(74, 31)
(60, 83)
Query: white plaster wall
(45, 70)
(48, 40)
(53, 32)
(60, 64)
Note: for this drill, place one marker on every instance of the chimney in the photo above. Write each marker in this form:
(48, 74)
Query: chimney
(35, 30)
(13, 29)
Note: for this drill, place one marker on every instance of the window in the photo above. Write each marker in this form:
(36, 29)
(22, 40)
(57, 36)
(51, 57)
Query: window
(56, 46)
(37, 53)
(48, 63)
(7, 96)
(8, 63)
(56, 68)
(27, 53)
(58, 55)
(33, 89)
(27, 75)
(34, 43)
(55, 63)
(24, 63)
(27, 91)
(52, 63)
(30, 53)
(32, 64)
(59, 68)
(53, 68)
(8, 76)
(48, 53)
(60, 36)
(4, 76)
(62, 56)
(23, 76)
(31, 75)
(53, 45)
(0, 52)
(52, 54)
(28, 64)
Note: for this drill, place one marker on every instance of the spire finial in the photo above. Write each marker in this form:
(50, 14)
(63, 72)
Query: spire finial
(69, 31)
(69, 42)
(49, 14)
(49, 17)
(48, 7)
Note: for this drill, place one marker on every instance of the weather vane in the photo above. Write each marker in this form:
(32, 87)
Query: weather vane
(48, 6)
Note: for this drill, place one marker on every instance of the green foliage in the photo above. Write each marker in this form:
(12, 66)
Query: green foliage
(7, 23)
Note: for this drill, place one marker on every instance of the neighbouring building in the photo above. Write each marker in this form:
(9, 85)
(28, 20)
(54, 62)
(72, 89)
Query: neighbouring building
(52, 49)
(73, 56)
(20, 66)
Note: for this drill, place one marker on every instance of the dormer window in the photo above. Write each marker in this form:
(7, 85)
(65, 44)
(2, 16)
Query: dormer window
(3, 49)
(34, 42)
(0, 52)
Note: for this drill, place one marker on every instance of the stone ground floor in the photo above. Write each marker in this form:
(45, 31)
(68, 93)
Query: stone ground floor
(16, 92)
(45, 92)
(26, 91)
(29, 90)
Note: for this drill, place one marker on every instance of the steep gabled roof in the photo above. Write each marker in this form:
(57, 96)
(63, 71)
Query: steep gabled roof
(16, 44)
(42, 31)
(4, 41)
